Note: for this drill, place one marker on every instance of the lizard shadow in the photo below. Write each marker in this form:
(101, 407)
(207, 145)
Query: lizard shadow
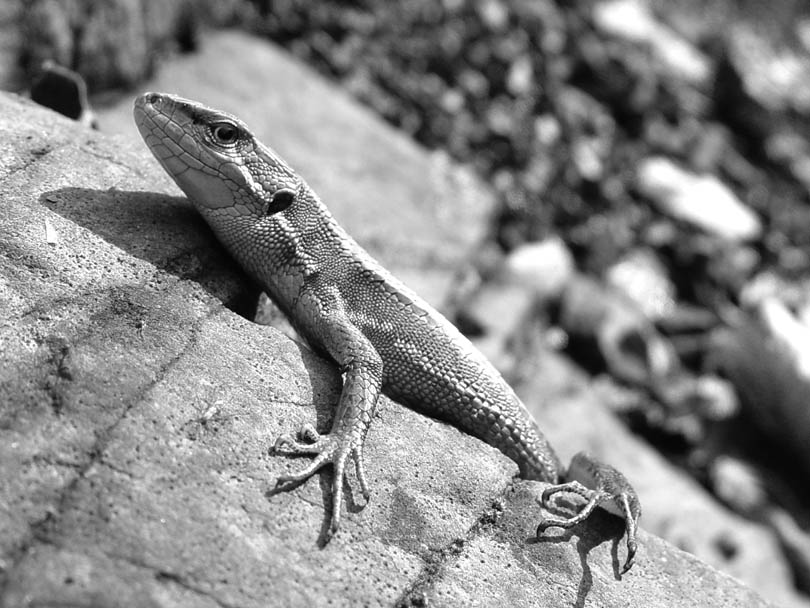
(168, 233)
(162, 230)
(598, 528)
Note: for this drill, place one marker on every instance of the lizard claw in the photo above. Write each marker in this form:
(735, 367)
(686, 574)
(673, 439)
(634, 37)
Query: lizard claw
(329, 449)
(604, 486)
(311, 444)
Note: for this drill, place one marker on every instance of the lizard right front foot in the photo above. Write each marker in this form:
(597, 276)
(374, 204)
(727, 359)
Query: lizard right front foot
(331, 448)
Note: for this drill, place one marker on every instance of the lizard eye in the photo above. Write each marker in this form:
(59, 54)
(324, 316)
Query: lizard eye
(282, 199)
(224, 133)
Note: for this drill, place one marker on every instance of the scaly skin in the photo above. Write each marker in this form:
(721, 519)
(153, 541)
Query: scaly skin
(382, 336)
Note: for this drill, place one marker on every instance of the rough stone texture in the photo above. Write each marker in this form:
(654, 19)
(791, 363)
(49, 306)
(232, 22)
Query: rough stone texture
(136, 411)
(579, 568)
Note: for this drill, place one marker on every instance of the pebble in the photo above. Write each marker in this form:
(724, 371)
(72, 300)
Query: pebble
(520, 78)
(700, 200)
(642, 277)
(633, 21)
(544, 267)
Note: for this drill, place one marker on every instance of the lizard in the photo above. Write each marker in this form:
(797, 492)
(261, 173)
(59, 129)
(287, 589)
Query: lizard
(382, 336)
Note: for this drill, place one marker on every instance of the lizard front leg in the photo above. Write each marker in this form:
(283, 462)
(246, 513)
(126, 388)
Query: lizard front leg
(361, 366)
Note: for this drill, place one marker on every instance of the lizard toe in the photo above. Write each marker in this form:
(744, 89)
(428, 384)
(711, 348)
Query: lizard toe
(312, 442)
(360, 470)
(320, 460)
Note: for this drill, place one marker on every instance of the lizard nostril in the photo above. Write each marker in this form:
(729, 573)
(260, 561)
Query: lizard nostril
(153, 99)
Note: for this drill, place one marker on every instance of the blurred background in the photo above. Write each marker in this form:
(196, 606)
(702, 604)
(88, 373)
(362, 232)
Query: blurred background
(650, 163)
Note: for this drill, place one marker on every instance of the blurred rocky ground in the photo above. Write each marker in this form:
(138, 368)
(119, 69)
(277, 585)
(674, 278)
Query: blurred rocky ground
(651, 161)
(114, 44)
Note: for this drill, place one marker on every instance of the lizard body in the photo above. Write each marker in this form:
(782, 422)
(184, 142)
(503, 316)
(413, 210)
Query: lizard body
(382, 336)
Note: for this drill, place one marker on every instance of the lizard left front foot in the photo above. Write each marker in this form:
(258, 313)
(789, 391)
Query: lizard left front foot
(599, 484)
(335, 448)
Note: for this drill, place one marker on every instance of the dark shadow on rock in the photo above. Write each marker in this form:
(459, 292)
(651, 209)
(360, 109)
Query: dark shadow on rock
(563, 536)
(163, 230)
(598, 528)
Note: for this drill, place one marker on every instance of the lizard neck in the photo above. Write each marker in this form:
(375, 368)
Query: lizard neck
(281, 250)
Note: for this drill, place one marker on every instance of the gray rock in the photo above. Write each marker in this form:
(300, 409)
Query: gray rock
(63, 90)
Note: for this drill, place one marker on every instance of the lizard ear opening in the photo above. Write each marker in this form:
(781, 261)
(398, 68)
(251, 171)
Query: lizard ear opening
(281, 199)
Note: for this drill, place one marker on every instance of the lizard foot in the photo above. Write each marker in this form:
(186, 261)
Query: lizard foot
(329, 448)
(599, 484)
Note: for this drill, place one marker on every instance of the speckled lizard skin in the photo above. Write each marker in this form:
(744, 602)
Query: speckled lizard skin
(382, 336)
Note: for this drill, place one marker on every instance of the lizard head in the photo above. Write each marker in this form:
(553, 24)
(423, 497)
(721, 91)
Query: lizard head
(214, 157)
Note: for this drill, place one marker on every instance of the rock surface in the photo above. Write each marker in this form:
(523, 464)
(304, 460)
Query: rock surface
(136, 411)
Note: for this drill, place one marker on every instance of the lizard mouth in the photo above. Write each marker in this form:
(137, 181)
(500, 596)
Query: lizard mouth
(161, 109)
(160, 101)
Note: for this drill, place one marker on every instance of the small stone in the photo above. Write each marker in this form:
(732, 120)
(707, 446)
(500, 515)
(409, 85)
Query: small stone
(520, 78)
(51, 235)
(547, 129)
(452, 101)
(494, 14)
(500, 118)
(545, 267)
(701, 200)
(717, 398)
(738, 484)
(633, 20)
(642, 277)
(585, 156)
